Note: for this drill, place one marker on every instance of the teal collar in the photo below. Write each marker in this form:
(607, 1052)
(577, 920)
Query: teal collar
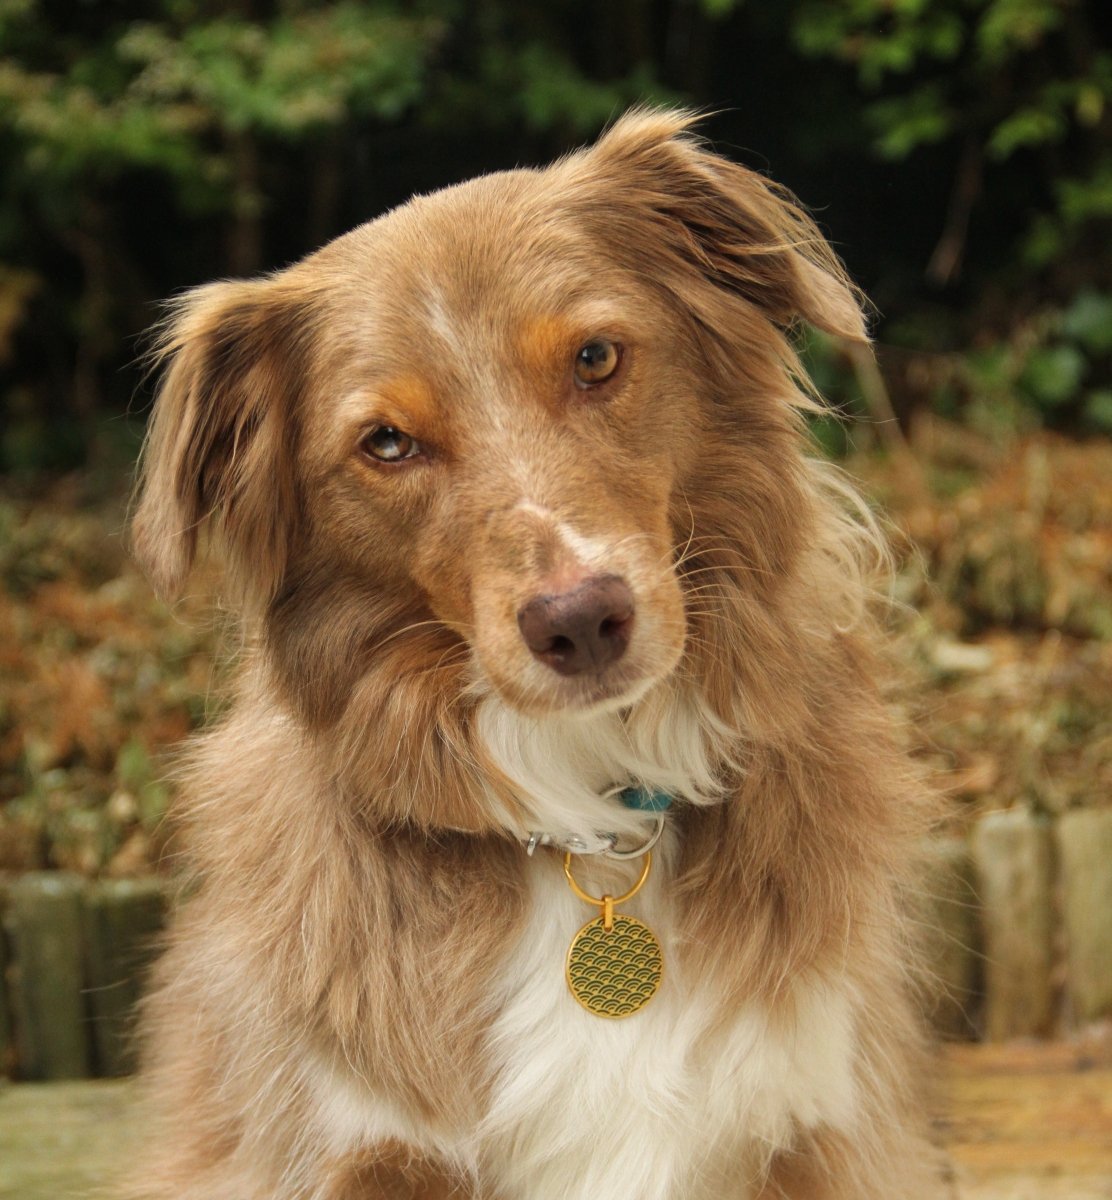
(645, 799)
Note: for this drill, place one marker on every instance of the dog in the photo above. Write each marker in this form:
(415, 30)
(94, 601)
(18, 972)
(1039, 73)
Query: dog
(543, 598)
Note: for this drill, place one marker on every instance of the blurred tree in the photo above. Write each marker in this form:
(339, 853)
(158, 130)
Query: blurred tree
(1009, 81)
(168, 109)
(962, 147)
(1015, 97)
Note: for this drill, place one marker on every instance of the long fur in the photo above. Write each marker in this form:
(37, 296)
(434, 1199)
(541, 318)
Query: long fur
(364, 995)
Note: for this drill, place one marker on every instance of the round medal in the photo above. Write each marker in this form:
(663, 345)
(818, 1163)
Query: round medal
(614, 972)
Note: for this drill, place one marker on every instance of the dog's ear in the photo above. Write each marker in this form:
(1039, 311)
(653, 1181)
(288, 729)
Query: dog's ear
(737, 228)
(219, 446)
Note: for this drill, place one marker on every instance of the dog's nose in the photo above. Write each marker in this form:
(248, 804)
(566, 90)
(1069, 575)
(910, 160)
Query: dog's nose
(582, 630)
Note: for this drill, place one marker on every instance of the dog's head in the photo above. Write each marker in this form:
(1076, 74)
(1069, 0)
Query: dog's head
(489, 424)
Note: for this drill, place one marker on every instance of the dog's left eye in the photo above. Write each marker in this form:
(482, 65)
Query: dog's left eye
(596, 362)
(390, 445)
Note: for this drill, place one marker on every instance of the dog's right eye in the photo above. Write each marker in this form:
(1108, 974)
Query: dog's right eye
(596, 362)
(389, 445)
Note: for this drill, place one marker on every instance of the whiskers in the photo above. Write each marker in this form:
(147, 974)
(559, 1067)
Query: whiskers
(408, 630)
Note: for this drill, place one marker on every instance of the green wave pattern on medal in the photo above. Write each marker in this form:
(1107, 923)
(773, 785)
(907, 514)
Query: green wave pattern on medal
(614, 974)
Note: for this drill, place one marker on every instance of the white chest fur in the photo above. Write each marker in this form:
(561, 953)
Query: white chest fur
(654, 1106)
(665, 1104)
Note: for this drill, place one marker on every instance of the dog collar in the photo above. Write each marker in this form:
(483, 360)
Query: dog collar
(650, 801)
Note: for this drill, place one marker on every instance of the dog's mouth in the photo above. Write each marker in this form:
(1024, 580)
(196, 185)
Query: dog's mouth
(609, 691)
(593, 697)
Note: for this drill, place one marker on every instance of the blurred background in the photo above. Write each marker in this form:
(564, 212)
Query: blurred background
(956, 151)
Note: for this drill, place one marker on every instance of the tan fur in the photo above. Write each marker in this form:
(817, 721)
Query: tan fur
(393, 1173)
(356, 884)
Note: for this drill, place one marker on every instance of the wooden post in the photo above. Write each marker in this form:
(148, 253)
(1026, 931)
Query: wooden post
(1013, 855)
(1085, 849)
(952, 936)
(7, 1049)
(123, 920)
(44, 925)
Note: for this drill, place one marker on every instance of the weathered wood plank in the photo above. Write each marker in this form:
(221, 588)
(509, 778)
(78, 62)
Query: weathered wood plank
(1031, 1121)
(948, 915)
(1013, 854)
(123, 918)
(44, 923)
(7, 1046)
(1085, 854)
(63, 1141)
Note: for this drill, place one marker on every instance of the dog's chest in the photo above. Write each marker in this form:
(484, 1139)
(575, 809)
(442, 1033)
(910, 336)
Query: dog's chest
(665, 1103)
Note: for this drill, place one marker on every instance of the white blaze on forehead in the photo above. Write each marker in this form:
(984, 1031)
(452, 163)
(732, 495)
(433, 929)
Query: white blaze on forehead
(595, 553)
(462, 339)
(441, 322)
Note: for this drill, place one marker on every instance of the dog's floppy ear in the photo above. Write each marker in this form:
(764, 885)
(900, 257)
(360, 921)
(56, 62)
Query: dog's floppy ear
(743, 232)
(219, 444)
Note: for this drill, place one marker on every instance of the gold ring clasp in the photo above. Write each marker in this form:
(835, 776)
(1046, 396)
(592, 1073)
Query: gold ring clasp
(601, 901)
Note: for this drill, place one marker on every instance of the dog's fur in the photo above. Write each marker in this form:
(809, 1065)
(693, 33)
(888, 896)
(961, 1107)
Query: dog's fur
(364, 996)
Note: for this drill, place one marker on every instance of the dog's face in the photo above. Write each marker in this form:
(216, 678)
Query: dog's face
(499, 410)
(502, 437)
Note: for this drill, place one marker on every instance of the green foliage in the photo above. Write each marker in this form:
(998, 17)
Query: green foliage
(173, 95)
(1098, 409)
(879, 37)
(1047, 371)
(1052, 374)
(1080, 202)
(1003, 77)
(902, 124)
(139, 777)
(1088, 321)
(831, 371)
(719, 8)
(302, 72)
(148, 146)
(1061, 373)
(544, 90)
(134, 139)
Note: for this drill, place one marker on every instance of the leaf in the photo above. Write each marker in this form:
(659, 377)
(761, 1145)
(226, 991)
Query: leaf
(719, 8)
(1053, 374)
(1090, 198)
(1089, 321)
(1012, 26)
(1098, 409)
(133, 766)
(906, 122)
(1027, 127)
(1089, 105)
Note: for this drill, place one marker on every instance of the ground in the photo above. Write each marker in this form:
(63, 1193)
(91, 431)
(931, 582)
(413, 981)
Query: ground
(1021, 1122)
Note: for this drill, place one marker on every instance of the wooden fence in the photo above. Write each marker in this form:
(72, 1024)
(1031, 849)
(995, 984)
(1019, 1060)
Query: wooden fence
(1017, 920)
(72, 960)
(1018, 925)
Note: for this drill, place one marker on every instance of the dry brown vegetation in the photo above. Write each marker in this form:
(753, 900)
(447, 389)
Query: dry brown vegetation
(1006, 569)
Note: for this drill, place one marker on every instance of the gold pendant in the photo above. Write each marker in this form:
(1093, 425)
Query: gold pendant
(614, 964)
(614, 973)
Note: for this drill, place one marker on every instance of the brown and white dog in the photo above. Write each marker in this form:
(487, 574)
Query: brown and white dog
(512, 491)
